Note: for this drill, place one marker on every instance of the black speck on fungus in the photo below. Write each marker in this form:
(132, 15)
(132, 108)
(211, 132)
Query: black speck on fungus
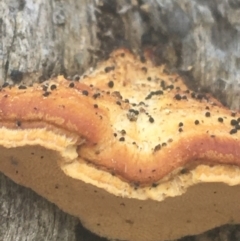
(151, 120)
(109, 68)
(71, 85)
(122, 139)
(157, 147)
(220, 119)
(53, 87)
(207, 114)
(46, 94)
(22, 87)
(178, 97)
(233, 122)
(196, 122)
(110, 84)
(85, 92)
(233, 131)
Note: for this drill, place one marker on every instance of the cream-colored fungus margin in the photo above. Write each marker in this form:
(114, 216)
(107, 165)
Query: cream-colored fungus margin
(65, 145)
(171, 186)
(174, 184)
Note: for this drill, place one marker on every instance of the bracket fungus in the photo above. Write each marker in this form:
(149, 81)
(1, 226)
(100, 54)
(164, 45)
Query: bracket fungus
(128, 149)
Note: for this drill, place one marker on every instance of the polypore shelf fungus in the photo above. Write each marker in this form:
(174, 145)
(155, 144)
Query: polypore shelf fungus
(128, 149)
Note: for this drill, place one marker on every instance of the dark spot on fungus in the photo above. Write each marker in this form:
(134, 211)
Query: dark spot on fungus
(131, 116)
(170, 87)
(148, 97)
(233, 122)
(178, 88)
(77, 77)
(237, 127)
(85, 92)
(53, 87)
(158, 92)
(151, 120)
(233, 131)
(193, 95)
(18, 123)
(180, 130)
(108, 69)
(96, 95)
(22, 87)
(129, 221)
(44, 87)
(220, 119)
(123, 132)
(207, 114)
(47, 93)
(95, 106)
(196, 122)
(183, 171)
(136, 112)
(184, 97)
(157, 147)
(178, 97)
(71, 85)
(162, 84)
(122, 139)
(180, 124)
(110, 84)
(117, 94)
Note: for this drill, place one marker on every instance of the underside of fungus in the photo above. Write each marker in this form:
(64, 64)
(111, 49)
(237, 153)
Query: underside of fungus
(126, 136)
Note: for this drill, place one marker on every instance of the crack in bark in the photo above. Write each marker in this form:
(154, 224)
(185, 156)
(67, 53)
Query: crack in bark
(6, 66)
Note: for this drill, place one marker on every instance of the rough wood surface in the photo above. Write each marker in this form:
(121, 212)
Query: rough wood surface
(44, 38)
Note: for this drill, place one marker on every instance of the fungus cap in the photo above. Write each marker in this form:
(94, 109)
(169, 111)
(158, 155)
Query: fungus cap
(127, 147)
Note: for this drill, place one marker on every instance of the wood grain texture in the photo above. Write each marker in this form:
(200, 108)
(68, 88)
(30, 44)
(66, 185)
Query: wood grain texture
(26, 216)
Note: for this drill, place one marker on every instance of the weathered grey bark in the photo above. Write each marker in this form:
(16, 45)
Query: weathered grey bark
(47, 38)
(44, 38)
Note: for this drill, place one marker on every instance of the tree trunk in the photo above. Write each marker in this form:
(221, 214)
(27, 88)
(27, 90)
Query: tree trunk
(44, 38)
